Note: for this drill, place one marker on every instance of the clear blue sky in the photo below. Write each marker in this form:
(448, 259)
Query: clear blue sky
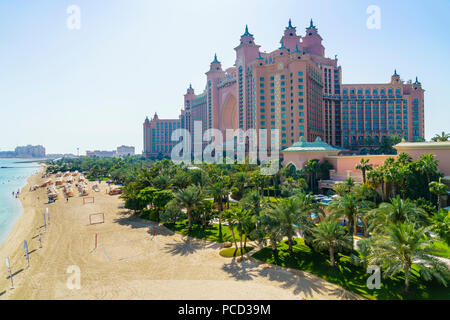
(92, 88)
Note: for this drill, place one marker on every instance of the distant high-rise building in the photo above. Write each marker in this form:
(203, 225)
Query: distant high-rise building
(299, 91)
(125, 151)
(30, 151)
(157, 136)
(101, 154)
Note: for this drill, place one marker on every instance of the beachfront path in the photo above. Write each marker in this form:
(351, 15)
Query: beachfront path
(130, 263)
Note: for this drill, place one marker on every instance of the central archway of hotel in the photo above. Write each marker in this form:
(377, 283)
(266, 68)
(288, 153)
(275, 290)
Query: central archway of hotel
(230, 113)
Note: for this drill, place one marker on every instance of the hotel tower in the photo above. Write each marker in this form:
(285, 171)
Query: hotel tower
(299, 91)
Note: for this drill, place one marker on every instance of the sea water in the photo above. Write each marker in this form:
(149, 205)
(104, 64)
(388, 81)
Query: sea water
(13, 176)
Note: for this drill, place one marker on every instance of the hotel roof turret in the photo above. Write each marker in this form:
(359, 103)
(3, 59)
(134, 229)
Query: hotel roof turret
(290, 38)
(313, 41)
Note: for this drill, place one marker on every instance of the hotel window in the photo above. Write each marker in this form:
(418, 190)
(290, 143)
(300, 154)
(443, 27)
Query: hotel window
(261, 79)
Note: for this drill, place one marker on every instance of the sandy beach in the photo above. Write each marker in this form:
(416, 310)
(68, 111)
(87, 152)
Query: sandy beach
(130, 262)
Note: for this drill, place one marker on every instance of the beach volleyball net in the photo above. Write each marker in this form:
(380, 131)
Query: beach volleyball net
(87, 200)
(96, 218)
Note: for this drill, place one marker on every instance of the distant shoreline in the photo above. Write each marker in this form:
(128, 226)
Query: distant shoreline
(25, 160)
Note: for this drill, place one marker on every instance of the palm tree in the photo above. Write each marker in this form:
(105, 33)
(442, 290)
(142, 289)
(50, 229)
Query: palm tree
(240, 180)
(270, 227)
(237, 217)
(324, 170)
(428, 166)
(402, 174)
(403, 246)
(364, 166)
(161, 181)
(349, 184)
(328, 234)
(219, 190)
(294, 210)
(257, 181)
(404, 158)
(189, 198)
(441, 138)
(397, 211)
(351, 208)
(438, 188)
(375, 179)
(312, 168)
(252, 201)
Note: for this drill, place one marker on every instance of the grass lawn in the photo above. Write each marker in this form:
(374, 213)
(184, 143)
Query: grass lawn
(211, 233)
(232, 252)
(348, 276)
(441, 249)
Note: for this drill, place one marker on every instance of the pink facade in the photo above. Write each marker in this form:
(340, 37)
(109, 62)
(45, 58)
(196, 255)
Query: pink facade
(344, 166)
(441, 151)
(298, 90)
(157, 136)
(381, 110)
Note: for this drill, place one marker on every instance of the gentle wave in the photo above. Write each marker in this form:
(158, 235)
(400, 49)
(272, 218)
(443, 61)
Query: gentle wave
(13, 177)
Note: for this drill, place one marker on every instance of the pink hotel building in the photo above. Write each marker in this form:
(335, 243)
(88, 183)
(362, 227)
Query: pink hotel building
(297, 90)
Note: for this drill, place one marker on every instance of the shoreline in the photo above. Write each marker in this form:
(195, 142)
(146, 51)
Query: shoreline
(25, 159)
(12, 245)
(22, 208)
(130, 262)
